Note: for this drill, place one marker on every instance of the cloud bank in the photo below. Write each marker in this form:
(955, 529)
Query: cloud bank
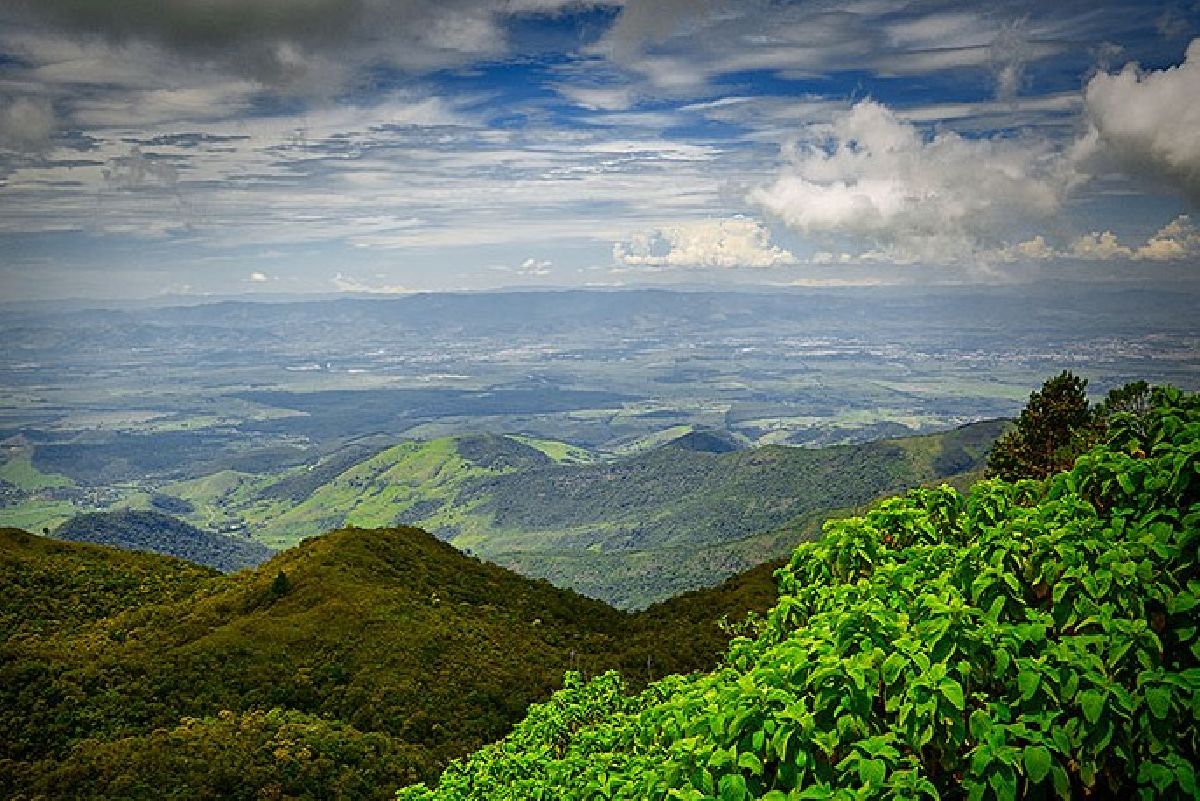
(732, 242)
(1178, 240)
(871, 176)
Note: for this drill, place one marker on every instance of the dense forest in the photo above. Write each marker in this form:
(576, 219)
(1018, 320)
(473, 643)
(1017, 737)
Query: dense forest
(352, 664)
(161, 533)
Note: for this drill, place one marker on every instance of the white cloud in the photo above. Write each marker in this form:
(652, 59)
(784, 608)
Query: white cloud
(535, 267)
(1098, 246)
(1150, 120)
(1176, 241)
(726, 243)
(872, 176)
(598, 98)
(26, 124)
(346, 283)
(258, 278)
(1010, 52)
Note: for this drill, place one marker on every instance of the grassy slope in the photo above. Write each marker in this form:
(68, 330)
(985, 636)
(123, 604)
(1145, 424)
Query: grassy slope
(18, 469)
(390, 634)
(632, 531)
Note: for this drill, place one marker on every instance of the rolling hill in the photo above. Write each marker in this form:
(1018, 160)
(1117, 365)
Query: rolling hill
(631, 531)
(349, 665)
(161, 533)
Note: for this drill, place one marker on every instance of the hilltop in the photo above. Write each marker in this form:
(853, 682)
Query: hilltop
(371, 657)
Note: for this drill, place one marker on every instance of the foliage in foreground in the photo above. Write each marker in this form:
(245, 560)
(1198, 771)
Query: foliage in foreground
(1028, 640)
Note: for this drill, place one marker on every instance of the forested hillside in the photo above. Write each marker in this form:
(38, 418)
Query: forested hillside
(630, 531)
(161, 533)
(357, 662)
(1030, 639)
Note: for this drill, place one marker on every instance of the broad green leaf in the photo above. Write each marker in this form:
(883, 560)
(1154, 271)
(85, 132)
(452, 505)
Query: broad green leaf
(872, 771)
(1062, 782)
(980, 724)
(1037, 762)
(1004, 784)
(750, 762)
(1159, 701)
(891, 668)
(953, 692)
(732, 787)
(1092, 703)
(1028, 681)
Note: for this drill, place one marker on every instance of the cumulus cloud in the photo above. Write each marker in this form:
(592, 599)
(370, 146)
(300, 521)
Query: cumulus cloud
(725, 243)
(26, 124)
(1175, 241)
(1149, 120)
(872, 176)
(1178, 239)
(1099, 246)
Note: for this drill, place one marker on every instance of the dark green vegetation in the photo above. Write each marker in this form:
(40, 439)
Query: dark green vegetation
(630, 531)
(352, 664)
(1034, 639)
(1059, 424)
(160, 533)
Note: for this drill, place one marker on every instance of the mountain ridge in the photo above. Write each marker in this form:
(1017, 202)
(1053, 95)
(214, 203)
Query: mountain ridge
(389, 637)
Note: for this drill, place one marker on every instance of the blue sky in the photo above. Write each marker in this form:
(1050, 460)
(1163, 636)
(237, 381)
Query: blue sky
(376, 146)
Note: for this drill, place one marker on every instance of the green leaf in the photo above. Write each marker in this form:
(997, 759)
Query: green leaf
(1037, 762)
(1159, 701)
(980, 724)
(1185, 774)
(891, 668)
(1183, 602)
(1004, 784)
(872, 771)
(1062, 782)
(732, 788)
(1028, 681)
(1092, 703)
(750, 762)
(953, 692)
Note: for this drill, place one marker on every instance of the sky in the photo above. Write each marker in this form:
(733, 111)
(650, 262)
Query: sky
(223, 147)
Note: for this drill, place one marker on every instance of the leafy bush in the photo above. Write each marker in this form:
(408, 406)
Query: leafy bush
(1028, 640)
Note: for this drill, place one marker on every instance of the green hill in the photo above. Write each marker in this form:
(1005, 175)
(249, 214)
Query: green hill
(160, 533)
(351, 664)
(630, 531)
(1028, 640)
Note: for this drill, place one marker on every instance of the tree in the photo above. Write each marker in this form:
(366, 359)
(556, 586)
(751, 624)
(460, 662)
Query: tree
(280, 586)
(1054, 427)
